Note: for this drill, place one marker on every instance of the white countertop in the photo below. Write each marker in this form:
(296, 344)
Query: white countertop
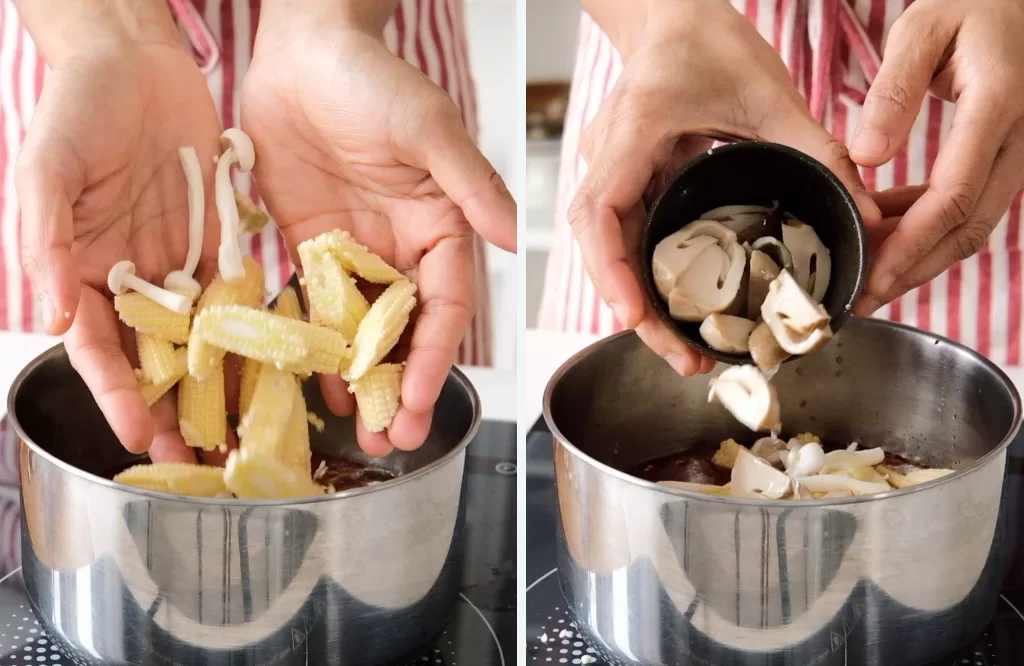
(497, 388)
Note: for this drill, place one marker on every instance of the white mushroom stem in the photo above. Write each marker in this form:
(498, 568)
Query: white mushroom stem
(122, 278)
(245, 152)
(196, 207)
(769, 449)
(240, 151)
(823, 483)
(748, 396)
(862, 458)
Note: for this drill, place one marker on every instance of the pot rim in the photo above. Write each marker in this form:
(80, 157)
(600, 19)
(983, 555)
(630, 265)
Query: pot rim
(563, 441)
(58, 350)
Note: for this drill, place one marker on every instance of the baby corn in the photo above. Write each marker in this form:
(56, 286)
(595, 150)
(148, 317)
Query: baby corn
(153, 391)
(380, 329)
(334, 298)
(157, 358)
(356, 258)
(202, 414)
(147, 316)
(251, 218)
(252, 476)
(377, 394)
(250, 372)
(288, 305)
(264, 423)
(202, 357)
(177, 478)
(295, 450)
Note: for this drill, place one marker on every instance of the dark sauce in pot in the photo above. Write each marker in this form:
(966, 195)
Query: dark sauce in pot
(344, 474)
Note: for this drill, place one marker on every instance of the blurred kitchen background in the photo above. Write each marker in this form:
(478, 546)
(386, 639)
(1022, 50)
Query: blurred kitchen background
(491, 25)
(551, 27)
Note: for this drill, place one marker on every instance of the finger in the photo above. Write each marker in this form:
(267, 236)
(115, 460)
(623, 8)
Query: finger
(410, 429)
(469, 180)
(912, 54)
(375, 444)
(336, 396)
(707, 364)
(896, 201)
(47, 235)
(957, 180)
(878, 234)
(168, 444)
(94, 347)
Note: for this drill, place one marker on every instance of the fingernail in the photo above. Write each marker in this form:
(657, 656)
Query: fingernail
(682, 365)
(46, 307)
(869, 143)
(620, 312)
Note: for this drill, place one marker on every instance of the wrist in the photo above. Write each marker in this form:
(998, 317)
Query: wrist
(66, 28)
(632, 25)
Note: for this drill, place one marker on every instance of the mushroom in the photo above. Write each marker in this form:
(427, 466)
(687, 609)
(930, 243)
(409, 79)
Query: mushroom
(122, 277)
(673, 256)
(862, 458)
(812, 263)
(824, 483)
(239, 151)
(723, 213)
(748, 396)
(753, 477)
(807, 460)
(799, 324)
(765, 350)
(706, 488)
(183, 281)
(762, 271)
(726, 333)
(713, 282)
(776, 251)
(769, 449)
(749, 222)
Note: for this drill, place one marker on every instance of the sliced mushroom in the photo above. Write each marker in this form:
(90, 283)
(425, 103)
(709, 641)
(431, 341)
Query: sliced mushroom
(812, 263)
(723, 213)
(862, 458)
(673, 256)
(705, 488)
(776, 251)
(748, 396)
(240, 151)
(824, 483)
(799, 324)
(712, 283)
(749, 222)
(769, 449)
(765, 350)
(807, 460)
(753, 477)
(762, 271)
(727, 333)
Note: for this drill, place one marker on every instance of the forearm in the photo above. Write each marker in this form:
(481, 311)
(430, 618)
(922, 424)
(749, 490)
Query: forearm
(628, 22)
(60, 28)
(369, 16)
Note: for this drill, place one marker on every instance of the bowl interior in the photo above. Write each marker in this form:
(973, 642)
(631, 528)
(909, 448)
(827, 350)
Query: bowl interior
(757, 173)
(878, 383)
(55, 410)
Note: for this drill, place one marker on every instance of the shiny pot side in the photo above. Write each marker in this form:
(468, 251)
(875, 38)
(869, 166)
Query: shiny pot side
(657, 576)
(124, 576)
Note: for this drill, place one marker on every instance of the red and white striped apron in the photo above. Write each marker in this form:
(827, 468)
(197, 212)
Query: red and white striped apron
(831, 47)
(429, 34)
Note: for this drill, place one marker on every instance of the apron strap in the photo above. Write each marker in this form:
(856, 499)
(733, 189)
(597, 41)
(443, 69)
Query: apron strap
(204, 47)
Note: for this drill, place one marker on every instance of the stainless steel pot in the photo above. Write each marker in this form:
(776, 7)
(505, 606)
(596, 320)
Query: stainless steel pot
(661, 576)
(125, 576)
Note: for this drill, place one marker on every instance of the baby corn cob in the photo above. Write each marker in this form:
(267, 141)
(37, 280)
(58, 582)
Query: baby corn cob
(315, 421)
(334, 298)
(252, 476)
(295, 451)
(251, 218)
(202, 415)
(356, 258)
(157, 358)
(177, 478)
(147, 316)
(153, 391)
(264, 423)
(202, 357)
(380, 329)
(250, 372)
(288, 305)
(377, 394)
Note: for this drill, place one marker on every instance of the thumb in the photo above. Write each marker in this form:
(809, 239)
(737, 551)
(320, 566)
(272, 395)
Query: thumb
(895, 97)
(47, 234)
(469, 180)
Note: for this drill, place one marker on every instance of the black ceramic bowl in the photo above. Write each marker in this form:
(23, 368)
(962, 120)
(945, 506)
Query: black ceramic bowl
(758, 173)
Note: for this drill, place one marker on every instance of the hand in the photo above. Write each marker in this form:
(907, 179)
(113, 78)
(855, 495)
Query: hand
(698, 69)
(349, 136)
(967, 51)
(99, 180)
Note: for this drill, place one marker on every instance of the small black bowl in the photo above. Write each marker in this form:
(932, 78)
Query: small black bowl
(758, 173)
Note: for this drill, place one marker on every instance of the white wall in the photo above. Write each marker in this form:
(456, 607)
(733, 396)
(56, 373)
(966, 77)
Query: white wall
(551, 39)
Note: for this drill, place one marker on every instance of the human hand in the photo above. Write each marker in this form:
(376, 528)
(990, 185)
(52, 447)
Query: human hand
(99, 180)
(349, 136)
(698, 69)
(967, 51)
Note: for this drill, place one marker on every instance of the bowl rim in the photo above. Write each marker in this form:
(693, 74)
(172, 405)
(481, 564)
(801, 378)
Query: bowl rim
(563, 441)
(647, 274)
(59, 350)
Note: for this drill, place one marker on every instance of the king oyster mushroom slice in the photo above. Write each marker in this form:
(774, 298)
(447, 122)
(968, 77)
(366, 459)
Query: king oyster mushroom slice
(776, 251)
(714, 282)
(748, 396)
(770, 449)
(765, 350)
(862, 458)
(762, 271)
(727, 333)
(812, 263)
(753, 477)
(749, 222)
(823, 483)
(799, 324)
(673, 256)
(723, 213)
(705, 488)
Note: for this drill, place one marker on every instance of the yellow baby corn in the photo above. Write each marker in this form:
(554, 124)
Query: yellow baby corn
(380, 329)
(250, 372)
(202, 416)
(251, 333)
(287, 304)
(147, 316)
(315, 421)
(357, 259)
(254, 477)
(334, 298)
(157, 358)
(153, 391)
(377, 394)
(251, 218)
(177, 478)
(294, 449)
(263, 425)
(202, 357)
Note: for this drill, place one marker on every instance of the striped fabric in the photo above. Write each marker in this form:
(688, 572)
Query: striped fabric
(429, 34)
(832, 48)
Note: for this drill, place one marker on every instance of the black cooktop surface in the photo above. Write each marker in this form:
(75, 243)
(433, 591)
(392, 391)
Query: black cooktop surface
(552, 637)
(481, 632)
